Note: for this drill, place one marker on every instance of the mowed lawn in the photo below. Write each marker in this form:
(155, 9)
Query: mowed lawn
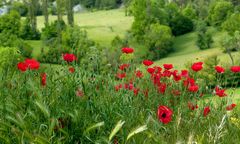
(102, 26)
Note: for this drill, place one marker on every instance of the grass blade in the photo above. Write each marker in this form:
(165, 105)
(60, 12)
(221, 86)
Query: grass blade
(136, 131)
(116, 129)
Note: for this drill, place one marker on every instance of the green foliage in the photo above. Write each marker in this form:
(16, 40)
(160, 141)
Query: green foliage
(208, 73)
(204, 37)
(141, 22)
(74, 40)
(232, 43)
(159, 41)
(27, 33)
(181, 25)
(49, 32)
(232, 24)
(25, 49)
(20, 7)
(10, 29)
(189, 12)
(219, 11)
(172, 9)
(10, 23)
(9, 57)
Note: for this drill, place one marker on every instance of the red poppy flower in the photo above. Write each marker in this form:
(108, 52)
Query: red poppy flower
(191, 106)
(235, 69)
(177, 77)
(184, 73)
(124, 66)
(188, 81)
(206, 111)
(32, 64)
(151, 70)
(71, 70)
(231, 107)
(157, 69)
(219, 69)
(197, 66)
(69, 57)
(147, 62)
(220, 92)
(162, 88)
(135, 91)
(121, 75)
(164, 114)
(193, 88)
(139, 74)
(156, 78)
(118, 87)
(167, 73)
(127, 50)
(129, 86)
(168, 66)
(43, 79)
(22, 66)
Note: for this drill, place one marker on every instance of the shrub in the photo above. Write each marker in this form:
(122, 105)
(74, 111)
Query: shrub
(231, 43)
(232, 24)
(9, 40)
(25, 49)
(20, 7)
(9, 57)
(219, 11)
(27, 33)
(204, 38)
(181, 25)
(189, 12)
(10, 23)
(49, 33)
(53, 56)
(10, 29)
(159, 41)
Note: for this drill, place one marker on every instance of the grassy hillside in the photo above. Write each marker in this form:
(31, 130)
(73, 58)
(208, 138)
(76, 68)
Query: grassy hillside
(102, 26)
(186, 50)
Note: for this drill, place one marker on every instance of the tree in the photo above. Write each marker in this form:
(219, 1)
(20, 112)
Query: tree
(189, 12)
(60, 11)
(204, 38)
(45, 11)
(32, 5)
(219, 12)
(181, 25)
(69, 8)
(232, 24)
(231, 43)
(159, 41)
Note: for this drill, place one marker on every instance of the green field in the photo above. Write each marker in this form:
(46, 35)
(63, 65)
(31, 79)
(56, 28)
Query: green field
(102, 26)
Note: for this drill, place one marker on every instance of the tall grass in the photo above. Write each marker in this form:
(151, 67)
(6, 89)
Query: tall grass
(83, 107)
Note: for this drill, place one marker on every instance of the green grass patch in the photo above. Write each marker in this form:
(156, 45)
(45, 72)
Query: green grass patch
(102, 26)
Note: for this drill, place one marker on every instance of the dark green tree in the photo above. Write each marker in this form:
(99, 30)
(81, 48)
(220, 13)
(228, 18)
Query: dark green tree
(204, 38)
(70, 14)
(45, 11)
